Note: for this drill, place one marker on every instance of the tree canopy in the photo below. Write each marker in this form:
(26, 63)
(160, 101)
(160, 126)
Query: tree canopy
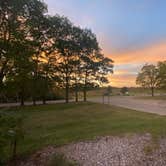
(39, 53)
(152, 76)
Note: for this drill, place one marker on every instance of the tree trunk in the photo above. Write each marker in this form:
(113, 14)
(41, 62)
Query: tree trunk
(44, 100)
(85, 88)
(34, 101)
(67, 89)
(152, 91)
(85, 99)
(22, 101)
(34, 91)
(76, 91)
(76, 96)
(22, 98)
(1, 82)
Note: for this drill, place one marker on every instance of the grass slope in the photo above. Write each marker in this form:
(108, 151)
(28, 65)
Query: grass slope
(63, 123)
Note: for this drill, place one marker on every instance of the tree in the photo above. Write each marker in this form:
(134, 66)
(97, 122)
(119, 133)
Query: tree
(162, 74)
(15, 16)
(95, 69)
(148, 77)
(20, 73)
(67, 47)
(38, 51)
(16, 25)
(76, 77)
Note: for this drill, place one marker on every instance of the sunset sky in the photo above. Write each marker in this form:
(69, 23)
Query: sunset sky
(131, 32)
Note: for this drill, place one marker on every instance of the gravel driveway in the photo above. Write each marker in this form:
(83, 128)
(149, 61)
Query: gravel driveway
(133, 150)
(117, 151)
(145, 105)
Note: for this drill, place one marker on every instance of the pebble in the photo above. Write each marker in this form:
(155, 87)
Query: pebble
(107, 151)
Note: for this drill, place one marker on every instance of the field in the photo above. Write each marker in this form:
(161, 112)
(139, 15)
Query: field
(61, 124)
(133, 91)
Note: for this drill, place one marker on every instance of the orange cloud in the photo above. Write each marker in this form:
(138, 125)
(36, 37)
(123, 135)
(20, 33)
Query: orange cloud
(151, 54)
(127, 64)
(122, 80)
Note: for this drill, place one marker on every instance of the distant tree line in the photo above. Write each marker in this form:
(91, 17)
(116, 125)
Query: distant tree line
(153, 76)
(39, 53)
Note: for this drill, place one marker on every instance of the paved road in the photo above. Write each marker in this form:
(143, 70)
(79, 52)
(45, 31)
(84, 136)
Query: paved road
(145, 105)
(2, 105)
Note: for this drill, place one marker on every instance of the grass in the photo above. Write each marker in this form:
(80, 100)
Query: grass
(64, 123)
(60, 160)
(133, 91)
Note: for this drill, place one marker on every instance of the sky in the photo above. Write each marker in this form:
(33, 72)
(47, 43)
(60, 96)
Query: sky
(130, 32)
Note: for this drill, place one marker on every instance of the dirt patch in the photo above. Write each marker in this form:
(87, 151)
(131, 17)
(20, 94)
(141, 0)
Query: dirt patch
(107, 151)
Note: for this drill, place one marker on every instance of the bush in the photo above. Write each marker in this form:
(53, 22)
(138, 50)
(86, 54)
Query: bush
(11, 132)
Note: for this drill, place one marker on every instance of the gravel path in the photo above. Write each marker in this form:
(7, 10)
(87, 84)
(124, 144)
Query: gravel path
(150, 105)
(108, 151)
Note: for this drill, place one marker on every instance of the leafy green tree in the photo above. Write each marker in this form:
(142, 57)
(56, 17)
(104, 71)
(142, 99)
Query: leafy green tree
(9, 34)
(89, 48)
(15, 16)
(148, 77)
(20, 74)
(16, 24)
(162, 74)
(66, 48)
(76, 76)
(38, 27)
(38, 51)
(94, 66)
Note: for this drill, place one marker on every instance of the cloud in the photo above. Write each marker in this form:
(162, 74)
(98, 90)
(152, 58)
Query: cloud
(150, 54)
(128, 64)
(120, 80)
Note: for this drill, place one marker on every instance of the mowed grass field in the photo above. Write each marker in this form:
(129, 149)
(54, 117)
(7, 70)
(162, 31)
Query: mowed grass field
(61, 124)
(133, 91)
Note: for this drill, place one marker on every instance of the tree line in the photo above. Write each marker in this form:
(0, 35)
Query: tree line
(40, 53)
(153, 76)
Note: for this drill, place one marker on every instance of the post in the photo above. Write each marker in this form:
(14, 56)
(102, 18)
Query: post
(108, 99)
(103, 99)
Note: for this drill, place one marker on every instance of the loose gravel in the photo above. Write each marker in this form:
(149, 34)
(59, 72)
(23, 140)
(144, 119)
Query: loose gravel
(129, 150)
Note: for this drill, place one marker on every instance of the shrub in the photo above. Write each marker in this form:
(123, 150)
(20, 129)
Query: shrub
(11, 132)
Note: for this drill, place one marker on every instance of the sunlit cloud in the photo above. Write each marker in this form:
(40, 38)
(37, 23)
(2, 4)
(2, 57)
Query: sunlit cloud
(132, 33)
(120, 80)
(150, 54)
(128, 64)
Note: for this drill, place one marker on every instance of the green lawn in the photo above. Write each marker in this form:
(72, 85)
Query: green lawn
(133, 91)
(64, 123)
